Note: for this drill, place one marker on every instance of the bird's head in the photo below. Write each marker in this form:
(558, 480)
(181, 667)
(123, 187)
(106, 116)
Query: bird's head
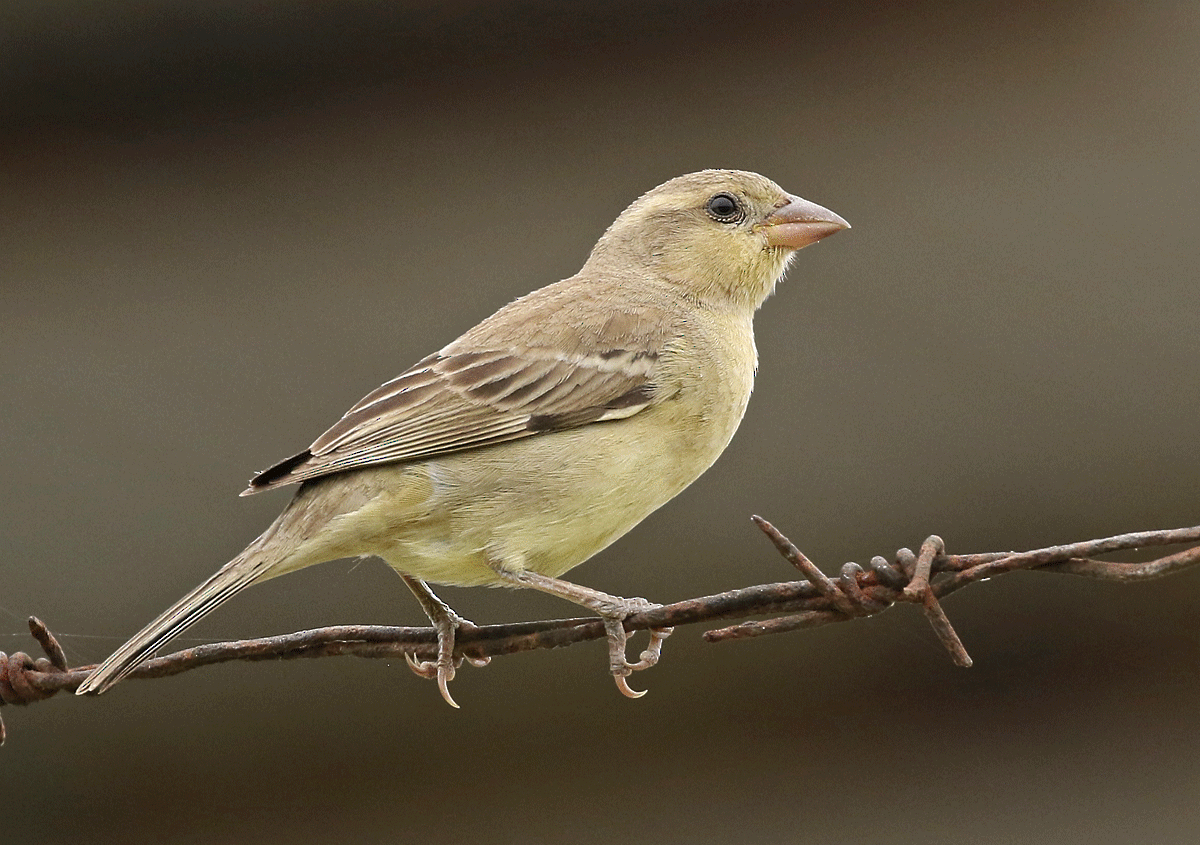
(723, 235)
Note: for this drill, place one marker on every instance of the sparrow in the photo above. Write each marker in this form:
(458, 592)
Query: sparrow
(544, 433)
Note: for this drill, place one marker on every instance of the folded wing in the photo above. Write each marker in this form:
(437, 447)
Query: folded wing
(453, 401)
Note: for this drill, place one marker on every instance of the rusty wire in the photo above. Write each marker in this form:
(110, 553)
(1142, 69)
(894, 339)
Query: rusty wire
(922, 579)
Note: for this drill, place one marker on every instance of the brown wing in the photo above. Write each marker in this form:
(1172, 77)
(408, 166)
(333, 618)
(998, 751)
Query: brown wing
(455, 401)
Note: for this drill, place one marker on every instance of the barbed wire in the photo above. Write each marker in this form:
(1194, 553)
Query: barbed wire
(922, 578)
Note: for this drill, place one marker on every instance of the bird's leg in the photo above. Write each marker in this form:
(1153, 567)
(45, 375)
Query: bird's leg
(446, 622)
(614, 610)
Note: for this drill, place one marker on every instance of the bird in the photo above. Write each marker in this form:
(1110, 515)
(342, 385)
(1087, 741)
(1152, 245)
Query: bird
(544, 433)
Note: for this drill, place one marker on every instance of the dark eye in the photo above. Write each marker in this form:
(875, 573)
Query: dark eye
(724, 208)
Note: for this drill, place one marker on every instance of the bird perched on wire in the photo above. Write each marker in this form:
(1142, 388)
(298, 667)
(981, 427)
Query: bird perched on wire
(545, 432)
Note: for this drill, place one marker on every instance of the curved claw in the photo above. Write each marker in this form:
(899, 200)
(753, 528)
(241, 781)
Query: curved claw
(619, 666)
(653, 651)
(445, 674)
(426, 669)
(625, 689)
(477, 662)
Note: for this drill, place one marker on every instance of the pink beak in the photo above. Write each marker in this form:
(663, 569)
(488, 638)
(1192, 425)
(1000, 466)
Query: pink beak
(801, 223)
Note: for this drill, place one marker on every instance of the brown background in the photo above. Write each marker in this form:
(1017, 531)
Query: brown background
(221, 227)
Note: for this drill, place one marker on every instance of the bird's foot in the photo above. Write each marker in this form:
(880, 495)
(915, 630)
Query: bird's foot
(614, 615)
(447, 624)
(614, 610)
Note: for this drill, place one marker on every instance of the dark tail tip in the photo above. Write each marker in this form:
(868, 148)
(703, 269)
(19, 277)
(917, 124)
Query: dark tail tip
(277, 475)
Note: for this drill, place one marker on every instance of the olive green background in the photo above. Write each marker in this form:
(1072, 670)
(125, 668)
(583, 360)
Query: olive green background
(221, 225)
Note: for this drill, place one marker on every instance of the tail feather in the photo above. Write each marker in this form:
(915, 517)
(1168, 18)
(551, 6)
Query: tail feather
(295, 540)
(225, 583)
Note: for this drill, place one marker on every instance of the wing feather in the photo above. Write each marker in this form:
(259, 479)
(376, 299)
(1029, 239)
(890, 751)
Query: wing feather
(454, 401)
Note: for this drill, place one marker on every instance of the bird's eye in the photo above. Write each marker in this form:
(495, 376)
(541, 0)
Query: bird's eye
(724, 208)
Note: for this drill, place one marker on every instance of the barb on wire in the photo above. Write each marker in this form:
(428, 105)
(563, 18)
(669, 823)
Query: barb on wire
(923, 579)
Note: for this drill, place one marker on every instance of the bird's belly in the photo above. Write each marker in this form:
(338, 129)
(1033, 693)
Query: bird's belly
(546, 503)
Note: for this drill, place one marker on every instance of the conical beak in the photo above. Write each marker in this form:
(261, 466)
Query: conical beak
(800, 223)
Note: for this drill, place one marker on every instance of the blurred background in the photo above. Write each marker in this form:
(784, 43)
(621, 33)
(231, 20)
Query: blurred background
(223, 224)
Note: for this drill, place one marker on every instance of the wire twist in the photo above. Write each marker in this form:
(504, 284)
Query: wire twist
(21, 676)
